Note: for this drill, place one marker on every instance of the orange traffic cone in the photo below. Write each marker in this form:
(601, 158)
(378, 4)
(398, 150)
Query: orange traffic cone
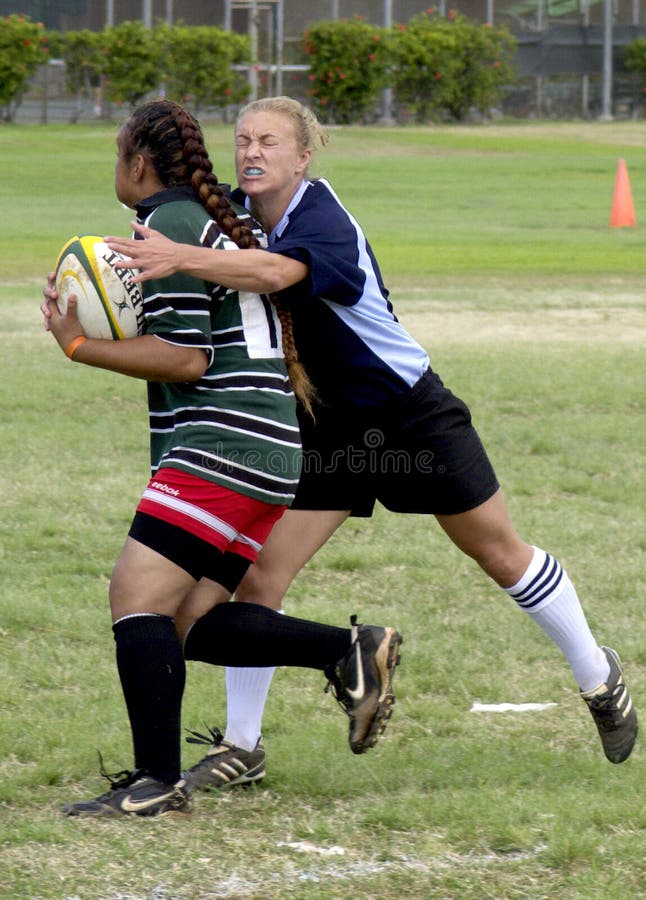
(622, 214)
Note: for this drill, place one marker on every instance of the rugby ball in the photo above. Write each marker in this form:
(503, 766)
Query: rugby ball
(108, 306)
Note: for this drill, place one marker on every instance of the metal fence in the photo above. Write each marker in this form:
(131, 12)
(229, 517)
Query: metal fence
(518, 15)
(569, 57)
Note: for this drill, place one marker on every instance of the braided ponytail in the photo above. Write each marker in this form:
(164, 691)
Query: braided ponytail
(303, 387)
(173, 139)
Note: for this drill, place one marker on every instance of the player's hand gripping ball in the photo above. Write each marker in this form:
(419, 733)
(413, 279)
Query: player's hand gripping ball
(108, 306)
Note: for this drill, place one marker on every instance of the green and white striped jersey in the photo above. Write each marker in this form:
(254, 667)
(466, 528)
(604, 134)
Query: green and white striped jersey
(237, 425)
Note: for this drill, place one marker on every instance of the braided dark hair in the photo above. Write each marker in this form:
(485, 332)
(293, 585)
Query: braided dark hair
(171, 138)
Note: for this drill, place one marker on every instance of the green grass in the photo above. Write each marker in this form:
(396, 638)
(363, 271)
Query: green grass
(481, 202)
(495, 244)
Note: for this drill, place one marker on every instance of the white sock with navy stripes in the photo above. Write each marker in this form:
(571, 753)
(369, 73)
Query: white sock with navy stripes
(548, 595)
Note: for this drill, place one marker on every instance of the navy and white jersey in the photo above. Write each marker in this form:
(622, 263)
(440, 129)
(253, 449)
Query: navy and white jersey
(356, 353)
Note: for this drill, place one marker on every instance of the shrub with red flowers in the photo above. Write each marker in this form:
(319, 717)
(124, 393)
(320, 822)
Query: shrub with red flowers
(347, 68)
(485, 66)
(23, 47)
(448, 66)
(425, 60)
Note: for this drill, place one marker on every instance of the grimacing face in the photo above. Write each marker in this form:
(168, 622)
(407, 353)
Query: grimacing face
(267, 155)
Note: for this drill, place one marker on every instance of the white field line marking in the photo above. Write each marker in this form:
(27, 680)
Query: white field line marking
(236, 886)
(308, 847)
(350, 871)
(509, 707)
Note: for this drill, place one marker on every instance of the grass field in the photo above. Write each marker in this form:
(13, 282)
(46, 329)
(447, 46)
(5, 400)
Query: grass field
(495, 244)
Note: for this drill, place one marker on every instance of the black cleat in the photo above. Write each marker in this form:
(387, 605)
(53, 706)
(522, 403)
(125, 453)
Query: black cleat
(362, 682)
(613, 712)
(134, 794)
(225, 765)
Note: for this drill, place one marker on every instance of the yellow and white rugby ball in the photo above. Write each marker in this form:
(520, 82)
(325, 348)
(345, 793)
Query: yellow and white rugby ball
(108, 306)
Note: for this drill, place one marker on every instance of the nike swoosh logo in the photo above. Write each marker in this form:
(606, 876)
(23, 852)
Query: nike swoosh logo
(128, 805)
(358, 692)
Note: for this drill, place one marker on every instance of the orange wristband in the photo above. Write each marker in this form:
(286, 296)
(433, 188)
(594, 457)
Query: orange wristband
(73, 345)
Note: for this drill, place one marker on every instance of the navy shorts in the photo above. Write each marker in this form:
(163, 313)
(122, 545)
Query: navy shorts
(422, 456)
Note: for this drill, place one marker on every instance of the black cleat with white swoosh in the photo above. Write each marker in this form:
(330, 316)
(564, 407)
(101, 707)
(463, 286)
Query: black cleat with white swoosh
(135, 794)
(362, 682)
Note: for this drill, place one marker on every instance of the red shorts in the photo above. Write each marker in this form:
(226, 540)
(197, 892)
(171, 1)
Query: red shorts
(232, 522)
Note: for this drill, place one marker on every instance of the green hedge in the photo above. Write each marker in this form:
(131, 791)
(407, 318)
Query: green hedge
(23, 47)
(446, 67)
(190, 64)
(634, 59)
(437, 67)
(348, 61)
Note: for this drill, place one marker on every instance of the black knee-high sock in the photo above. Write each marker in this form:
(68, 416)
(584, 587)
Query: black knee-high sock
(247, 634)
(153, 672)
